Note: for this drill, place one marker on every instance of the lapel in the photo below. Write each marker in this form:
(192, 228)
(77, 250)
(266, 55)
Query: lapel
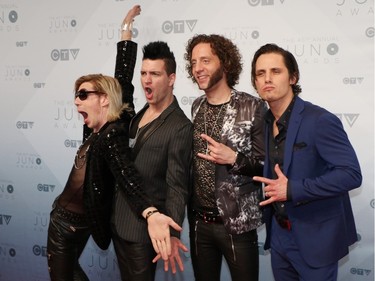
(293, 127)
(230, 117)
(266, 168)
(153, 126)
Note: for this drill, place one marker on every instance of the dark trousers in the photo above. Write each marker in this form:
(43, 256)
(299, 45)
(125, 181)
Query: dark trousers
(289, 265)
(134, 259)
(209, 242)
(67, 237)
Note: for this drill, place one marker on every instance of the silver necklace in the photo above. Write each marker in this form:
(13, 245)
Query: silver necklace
(214, 126)
(80, 160)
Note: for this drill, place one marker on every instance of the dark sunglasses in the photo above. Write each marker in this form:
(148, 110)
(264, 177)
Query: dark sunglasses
(82, 94)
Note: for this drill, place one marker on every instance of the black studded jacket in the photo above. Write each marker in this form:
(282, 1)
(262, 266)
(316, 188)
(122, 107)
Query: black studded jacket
(109, 166)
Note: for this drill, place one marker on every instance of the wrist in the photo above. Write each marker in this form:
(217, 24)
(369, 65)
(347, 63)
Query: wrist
(127, 26)
(235, 158)
(150, 213)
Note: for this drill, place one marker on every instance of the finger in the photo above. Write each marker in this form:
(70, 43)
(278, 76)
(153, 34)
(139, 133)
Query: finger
(155, 245)
(174, 225)
(168, 245)
(206, 157)
(163, 250)
(263, 180)
(180, 263)
(156, 258)
(210, 140)
(173, 265)
(166, 265)
(266, 202)
(183, 247)
(278, 171)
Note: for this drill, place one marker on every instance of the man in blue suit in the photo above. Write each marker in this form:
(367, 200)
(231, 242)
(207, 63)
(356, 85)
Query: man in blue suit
(310, 167)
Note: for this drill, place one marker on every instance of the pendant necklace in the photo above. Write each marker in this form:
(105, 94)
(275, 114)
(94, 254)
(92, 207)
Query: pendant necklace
(214, 126)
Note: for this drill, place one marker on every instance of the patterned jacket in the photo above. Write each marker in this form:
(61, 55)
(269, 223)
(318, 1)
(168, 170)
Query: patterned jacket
(237, 195)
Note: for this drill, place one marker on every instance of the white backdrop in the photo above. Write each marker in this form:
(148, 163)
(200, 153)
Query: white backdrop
(46, 45)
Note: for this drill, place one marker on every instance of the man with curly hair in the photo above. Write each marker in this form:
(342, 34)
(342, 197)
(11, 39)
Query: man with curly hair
(228, 149)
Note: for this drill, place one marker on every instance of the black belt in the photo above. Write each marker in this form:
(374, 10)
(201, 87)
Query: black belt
(208, 217)
(69, 215)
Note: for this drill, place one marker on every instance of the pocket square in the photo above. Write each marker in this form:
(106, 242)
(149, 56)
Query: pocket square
(299, 145)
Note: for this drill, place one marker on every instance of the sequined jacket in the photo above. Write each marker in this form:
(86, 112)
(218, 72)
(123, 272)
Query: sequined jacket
(109, 165)
(237, 195)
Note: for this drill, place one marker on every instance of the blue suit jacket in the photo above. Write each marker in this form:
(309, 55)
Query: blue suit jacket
(321, 167)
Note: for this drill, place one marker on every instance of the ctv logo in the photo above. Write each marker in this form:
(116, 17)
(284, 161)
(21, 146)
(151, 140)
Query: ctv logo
(5, 219)
(46, 187)
(178, 26)
(263, 2)
(353, 80)
(21, 43)
(40, 250)
(64, 54)
(24, 125)
(350, 118)
(72, 143)
(187, 100)
(39, 85)
(360, 271)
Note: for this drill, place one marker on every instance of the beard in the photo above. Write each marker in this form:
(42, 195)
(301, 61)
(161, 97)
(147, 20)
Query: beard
(215, 78)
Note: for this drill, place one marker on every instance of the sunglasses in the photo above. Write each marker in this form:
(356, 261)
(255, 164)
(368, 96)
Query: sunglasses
(82, 94)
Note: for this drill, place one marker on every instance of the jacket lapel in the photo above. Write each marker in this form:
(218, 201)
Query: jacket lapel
(293, 127)
(152, 127)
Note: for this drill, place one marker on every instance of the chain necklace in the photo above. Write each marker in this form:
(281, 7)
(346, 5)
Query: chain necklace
(214, 126)
(80, 160)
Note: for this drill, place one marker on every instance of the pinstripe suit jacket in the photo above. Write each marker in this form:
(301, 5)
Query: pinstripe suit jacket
(163, 160)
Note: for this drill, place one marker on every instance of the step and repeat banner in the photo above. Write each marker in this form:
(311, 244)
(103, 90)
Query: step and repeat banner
(46, 45)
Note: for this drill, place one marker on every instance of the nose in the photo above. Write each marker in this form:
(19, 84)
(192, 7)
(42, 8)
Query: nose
(147, 78)
(197, 67)
(76, 101)
(268, 77)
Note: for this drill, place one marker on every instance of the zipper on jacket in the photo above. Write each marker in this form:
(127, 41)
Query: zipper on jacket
(196, 237)
(233, 249)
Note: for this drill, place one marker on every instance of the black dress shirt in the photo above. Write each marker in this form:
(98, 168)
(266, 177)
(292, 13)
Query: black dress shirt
(276, 149)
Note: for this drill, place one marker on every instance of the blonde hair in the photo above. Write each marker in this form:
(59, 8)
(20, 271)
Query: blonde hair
(109, 86)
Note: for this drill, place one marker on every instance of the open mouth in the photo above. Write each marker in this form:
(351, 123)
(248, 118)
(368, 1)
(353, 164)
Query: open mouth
(148, 92)
(84, 115)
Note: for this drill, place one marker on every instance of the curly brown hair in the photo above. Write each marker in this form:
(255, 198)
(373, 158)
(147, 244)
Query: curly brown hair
(228, 53)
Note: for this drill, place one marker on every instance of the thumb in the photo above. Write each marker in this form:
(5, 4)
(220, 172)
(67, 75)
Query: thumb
(174, 225)
(278, 170)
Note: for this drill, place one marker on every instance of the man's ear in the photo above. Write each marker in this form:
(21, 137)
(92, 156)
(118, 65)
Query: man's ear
(292, 80)
(172, 79)
(104, 100)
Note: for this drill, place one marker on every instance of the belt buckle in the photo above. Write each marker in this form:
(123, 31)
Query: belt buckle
(206, 218)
